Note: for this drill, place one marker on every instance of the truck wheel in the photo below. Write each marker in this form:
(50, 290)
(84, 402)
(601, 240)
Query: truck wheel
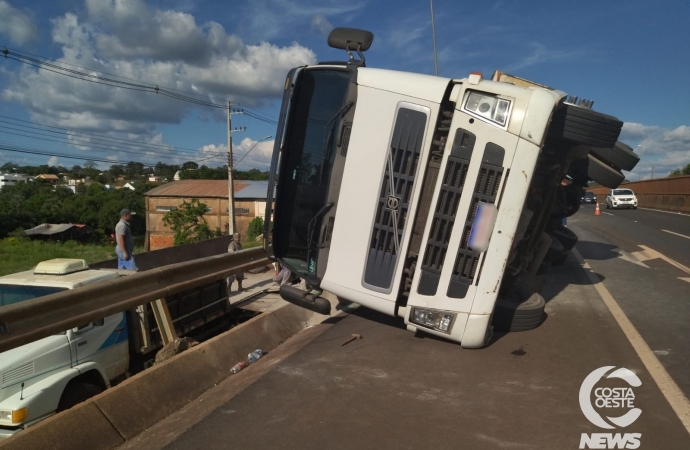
(565, 236)
(560, 260)
(620, 156)
(584, 126)
(511, 314)
(603, 174)
(77, 392)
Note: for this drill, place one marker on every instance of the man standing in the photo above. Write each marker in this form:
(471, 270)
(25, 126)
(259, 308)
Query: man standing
(125, 241)
(235, 246)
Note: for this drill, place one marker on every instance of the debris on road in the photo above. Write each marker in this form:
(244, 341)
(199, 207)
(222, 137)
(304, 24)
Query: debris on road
(354, 337)
(239, 366)
(254, 356)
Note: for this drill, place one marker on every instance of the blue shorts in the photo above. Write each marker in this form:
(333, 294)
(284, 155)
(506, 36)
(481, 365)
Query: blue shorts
(124, 264)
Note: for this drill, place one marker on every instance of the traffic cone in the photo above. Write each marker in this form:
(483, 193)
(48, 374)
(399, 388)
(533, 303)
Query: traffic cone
(596, 210)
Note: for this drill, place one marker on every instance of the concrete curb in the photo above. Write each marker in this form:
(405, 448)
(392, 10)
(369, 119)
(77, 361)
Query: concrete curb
(118, 414)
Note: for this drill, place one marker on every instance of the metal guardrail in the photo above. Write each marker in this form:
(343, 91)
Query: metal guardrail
(35, 319)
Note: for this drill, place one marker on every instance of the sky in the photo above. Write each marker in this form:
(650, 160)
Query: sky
(630, 56)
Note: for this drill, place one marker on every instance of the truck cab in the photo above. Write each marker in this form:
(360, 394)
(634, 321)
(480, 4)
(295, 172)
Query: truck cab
(432, 199)
(53, 373)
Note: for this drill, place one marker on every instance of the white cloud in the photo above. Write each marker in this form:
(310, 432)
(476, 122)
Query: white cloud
(665, 149)
(321, 24)
(268, 19)
(168, 48)
(540, 53)
(259, 155)
(17, 25)
(52, 161)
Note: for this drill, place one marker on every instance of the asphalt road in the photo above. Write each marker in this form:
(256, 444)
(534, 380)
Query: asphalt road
(654, 293)
(395, 389)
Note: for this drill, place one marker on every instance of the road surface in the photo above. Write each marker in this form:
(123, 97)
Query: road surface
(395, 389)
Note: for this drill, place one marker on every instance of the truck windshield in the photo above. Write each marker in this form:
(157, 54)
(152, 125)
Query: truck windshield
(305, 167)
(12, 293)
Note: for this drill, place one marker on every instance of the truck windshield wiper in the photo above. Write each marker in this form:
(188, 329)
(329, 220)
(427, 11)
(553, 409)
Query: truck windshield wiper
(310, 228)
(331, 124)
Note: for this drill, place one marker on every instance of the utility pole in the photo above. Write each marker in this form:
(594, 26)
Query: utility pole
(231, 185)
(652, 172)
(433, 35)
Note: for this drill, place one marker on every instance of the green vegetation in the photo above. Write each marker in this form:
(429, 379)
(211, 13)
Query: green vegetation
(680, 171)
(19, 254)
(255, 228)
(188, 223)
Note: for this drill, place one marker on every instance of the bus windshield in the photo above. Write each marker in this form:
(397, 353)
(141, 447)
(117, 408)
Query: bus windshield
(306, 162)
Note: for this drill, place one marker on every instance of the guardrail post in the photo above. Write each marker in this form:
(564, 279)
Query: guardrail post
(164, 321)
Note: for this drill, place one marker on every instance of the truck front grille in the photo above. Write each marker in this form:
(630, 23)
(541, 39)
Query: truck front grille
(485, 190)
(394, 198)
(446, 209)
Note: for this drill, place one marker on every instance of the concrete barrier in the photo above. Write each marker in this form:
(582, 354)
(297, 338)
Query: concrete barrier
(118, 414)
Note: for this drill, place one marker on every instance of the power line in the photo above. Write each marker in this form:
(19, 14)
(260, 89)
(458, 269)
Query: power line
(149, 153)
(113, 82)
(56, 154)
(99, 136)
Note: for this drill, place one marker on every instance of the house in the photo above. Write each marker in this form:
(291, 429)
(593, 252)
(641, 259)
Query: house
(154, 179)
(10, 179)
(49, 177)
(130, 186)
(61, 232)
(250, 202)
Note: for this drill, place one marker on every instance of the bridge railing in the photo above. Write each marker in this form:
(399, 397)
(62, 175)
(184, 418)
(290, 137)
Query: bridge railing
(28, 321)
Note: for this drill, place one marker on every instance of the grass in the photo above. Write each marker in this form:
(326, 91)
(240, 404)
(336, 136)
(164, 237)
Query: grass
(18, 255)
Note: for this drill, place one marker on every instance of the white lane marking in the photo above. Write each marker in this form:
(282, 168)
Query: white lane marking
(667, 212)
(603, 212)
(677, 234)
(675, 397)
(651, 253)
(634, 257)
(684, 279)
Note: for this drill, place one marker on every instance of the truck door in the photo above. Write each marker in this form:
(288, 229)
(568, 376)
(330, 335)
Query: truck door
(105, 342)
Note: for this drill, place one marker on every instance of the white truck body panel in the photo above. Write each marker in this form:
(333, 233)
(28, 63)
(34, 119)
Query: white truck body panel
(362, 176)
(34, 375)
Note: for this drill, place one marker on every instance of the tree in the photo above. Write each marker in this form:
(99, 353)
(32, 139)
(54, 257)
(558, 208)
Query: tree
(255, 228)
(89, 164)
(190, 165)
(680, 171)
(117, 170)
(188, 223)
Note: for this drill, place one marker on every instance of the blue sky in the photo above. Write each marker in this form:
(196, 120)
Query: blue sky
(628, 56)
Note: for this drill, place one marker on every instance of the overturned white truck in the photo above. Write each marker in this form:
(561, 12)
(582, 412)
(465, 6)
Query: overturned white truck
(429, 198)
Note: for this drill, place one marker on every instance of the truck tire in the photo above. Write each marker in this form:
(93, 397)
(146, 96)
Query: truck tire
(603, 174)
(76, 392)
(565, 236)
(584, 126)
(560, 259)
(511, 314)
(620, 156)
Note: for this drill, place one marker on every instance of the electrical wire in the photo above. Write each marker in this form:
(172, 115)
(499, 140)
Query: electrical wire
(99, 136)
(113, 82)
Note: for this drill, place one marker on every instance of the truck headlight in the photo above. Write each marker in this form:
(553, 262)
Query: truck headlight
(438, 320)
(14, 416)
(488, 106)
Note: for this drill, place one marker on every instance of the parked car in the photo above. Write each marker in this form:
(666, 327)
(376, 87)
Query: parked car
(589, 197)
(621, 198)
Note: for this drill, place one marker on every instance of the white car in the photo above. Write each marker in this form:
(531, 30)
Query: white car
(621, 198)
